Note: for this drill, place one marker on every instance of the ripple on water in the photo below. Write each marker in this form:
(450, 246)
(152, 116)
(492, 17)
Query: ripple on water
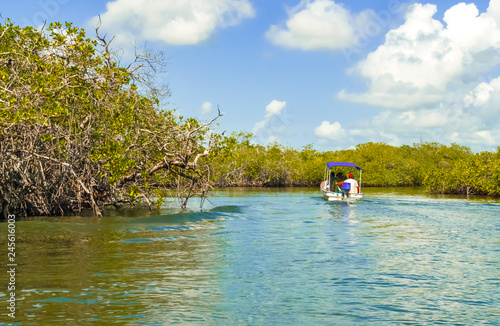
(274, 257)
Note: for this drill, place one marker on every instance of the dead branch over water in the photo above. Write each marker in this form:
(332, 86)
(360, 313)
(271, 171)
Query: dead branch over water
(78, 131)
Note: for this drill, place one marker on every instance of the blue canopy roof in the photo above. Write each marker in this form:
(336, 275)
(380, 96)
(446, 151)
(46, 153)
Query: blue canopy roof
(332, 164)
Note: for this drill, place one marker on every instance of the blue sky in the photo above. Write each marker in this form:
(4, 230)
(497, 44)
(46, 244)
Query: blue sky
(331, 73)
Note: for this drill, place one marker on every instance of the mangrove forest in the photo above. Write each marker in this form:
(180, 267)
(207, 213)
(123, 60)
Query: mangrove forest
(81, 130)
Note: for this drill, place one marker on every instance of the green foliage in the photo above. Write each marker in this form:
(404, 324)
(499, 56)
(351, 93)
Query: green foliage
(238, 162)
(473, 174)
(76, 130)
(447, 169)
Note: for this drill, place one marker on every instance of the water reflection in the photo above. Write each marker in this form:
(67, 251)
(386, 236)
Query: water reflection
(102, 273)
(266, 258)
(343, 209)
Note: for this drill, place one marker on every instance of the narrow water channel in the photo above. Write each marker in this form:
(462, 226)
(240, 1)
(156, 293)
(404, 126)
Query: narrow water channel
(264, 257)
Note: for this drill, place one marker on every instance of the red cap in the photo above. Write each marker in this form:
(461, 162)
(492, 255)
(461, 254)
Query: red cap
(351, 176)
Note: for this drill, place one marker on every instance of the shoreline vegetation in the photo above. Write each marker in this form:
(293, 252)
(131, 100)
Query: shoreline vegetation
(80, 130)
(452, 169)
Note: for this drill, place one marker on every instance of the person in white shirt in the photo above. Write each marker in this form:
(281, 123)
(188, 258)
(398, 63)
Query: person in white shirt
(353, 189)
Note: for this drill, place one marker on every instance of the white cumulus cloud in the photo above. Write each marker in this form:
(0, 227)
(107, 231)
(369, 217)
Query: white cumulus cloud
(206, 108)
(273, 124)
(422, 58)
(427, 76)
(486, 136)
(431, 119)
(483, 93)
(471, 120)
(318, 25)
(179, 22)
(331, 131)
(272, 109)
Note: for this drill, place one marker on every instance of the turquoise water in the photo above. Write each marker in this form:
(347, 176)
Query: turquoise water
(265, 257)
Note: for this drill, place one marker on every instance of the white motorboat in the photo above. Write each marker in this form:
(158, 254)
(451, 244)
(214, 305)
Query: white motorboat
(336, 187)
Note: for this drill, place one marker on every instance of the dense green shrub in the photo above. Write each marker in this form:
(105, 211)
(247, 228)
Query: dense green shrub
(445, 169)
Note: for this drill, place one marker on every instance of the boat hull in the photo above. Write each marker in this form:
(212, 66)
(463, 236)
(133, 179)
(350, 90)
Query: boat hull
(337, 196)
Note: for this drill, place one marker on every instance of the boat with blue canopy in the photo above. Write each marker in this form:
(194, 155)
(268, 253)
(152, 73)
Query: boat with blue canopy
(342, 181)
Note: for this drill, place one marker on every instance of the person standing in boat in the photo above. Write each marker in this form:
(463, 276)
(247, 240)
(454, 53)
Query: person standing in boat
(349, 186)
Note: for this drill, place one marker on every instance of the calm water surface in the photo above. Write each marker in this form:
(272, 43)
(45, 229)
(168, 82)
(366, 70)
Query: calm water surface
(264, 257)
